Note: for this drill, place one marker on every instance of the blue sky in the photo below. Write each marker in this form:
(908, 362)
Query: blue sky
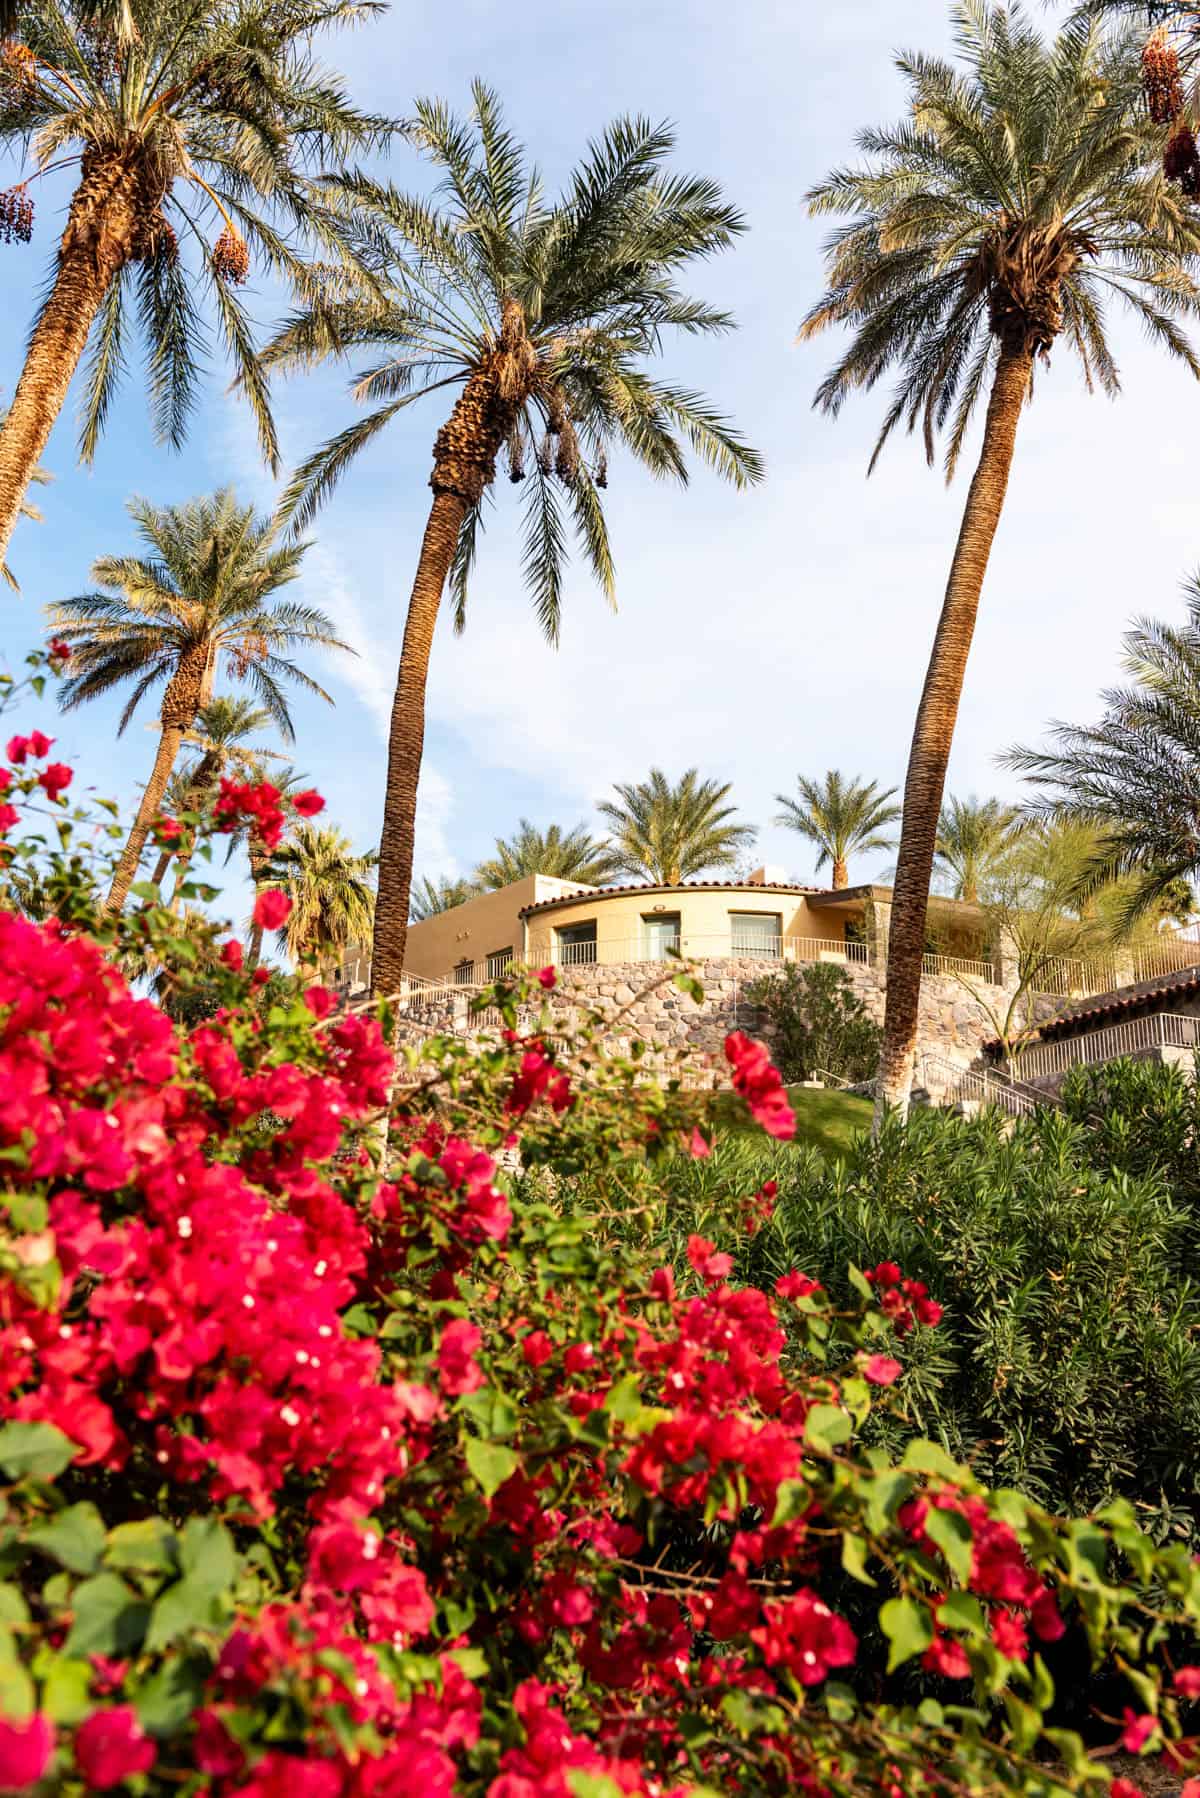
(757, 634)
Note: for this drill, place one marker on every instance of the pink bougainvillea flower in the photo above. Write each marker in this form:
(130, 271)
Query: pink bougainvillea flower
(796, 1286)
(456, 1357)
(25, 1750)
(272, 909)
(112, 1745)
(548, 978)
(232, 955)
(761, 1085)
(1138, 1730)
(1187, 1681)
(881, 1370)
(309, 803)
(55, 777)
(708, 1263)
(60, 649)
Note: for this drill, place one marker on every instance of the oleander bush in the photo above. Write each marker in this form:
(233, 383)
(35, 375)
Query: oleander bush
(336, 1464)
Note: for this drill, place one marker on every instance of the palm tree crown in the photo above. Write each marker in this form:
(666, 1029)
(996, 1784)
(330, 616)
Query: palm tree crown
(331, 891)
(1016, 201)
(430, 897)
(208, 139)
(1135, 775)
(565, 854)
(200, 602)
(973, 835)
(841, 817)
(544, 314)
(668, 834)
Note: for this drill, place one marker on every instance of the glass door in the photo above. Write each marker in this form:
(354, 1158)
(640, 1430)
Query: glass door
(660, 934)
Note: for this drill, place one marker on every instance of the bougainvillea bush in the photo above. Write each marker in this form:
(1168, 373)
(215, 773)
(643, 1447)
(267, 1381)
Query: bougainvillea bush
(329, 1470)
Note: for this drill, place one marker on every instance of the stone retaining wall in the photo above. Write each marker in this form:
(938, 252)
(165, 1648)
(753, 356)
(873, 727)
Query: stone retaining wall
(954, 1025)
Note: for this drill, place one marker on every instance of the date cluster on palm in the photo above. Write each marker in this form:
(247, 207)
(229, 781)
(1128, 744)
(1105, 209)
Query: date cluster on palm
(1161, 78)
(16, 215)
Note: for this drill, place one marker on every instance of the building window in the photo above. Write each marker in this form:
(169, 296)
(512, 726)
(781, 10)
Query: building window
(464, 973)
(499, 962)
(756, 933)
(575, 943)
(660, 933)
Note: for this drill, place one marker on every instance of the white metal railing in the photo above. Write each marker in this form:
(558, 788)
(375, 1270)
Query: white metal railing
(695, 946)
(1169, 955)
(959, 964)
(1165, 1030)
(953, 1085)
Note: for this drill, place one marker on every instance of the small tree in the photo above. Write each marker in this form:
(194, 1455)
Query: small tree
(817, 1024)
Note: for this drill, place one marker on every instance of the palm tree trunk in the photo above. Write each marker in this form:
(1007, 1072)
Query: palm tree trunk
(148, 810)
(841, 874)
(160, 868)
(406, 743)
(258, 867)
(934, 731)
(100, 237)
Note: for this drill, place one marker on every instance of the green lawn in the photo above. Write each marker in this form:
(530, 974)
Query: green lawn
(828, 1120)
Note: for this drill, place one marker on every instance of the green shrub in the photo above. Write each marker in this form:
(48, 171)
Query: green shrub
(816, 1023)
(1068, 1363)
(1141, 1118)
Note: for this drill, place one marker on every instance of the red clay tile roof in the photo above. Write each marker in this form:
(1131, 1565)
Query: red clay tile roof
(686, 886)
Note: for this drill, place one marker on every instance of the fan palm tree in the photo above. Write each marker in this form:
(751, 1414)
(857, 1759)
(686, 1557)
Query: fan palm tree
(219, 734)
(565, 854)
(668, 834)
(543, 317)
(186, 119)
(331, 890)
(1134, 776)
(1019, 197)
(201, 600)
(430, 897)
(972, 836)
(842, 817)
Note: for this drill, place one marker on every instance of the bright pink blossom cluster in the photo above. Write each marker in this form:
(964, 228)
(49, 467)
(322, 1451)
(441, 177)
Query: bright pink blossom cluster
(759, 1082)
(902, 1301)
(258, 803)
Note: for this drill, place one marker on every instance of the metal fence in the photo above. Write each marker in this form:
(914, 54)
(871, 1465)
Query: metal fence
(952, 1085)
(1140, 1036)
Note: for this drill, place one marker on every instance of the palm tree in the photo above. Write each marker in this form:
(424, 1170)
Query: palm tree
(1134, 776)
(1015, 201)
(186, 119)
(219, 734)
(40, 477)
(841, 817)
(667, 834)
(201, 599)
(565, 854)
(331, 890)
(544, 317)
(972, 836)
(430, 897)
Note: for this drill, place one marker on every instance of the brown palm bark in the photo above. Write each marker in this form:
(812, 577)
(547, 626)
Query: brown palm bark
(841, 874)
(934, 731)
(464, 465)
(107, 226)
(181, 702)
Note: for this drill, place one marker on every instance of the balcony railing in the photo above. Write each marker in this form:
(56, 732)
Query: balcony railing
(1141, 1036)
(609, 951)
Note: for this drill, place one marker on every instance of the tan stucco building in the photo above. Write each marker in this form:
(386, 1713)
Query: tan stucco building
(540, 921)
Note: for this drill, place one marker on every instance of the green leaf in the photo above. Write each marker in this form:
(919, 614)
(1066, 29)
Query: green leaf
(75, 1538)
(146, 891)
(189, 1605)
(17, 1697)
(888, 1492)
(66, 1691)
(149, 1544)
(13, 1608)
(958, 1610)
(854, 1559)
(624, 1400)
(109, 1618)
(170, 1696)
(826, 1426)
(1024, 1721)
(491, 1463)
(952, 1534)
(206, 1554)
(34, 1450)
(931, 1457)
(908, 1628)
(591, 1785)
